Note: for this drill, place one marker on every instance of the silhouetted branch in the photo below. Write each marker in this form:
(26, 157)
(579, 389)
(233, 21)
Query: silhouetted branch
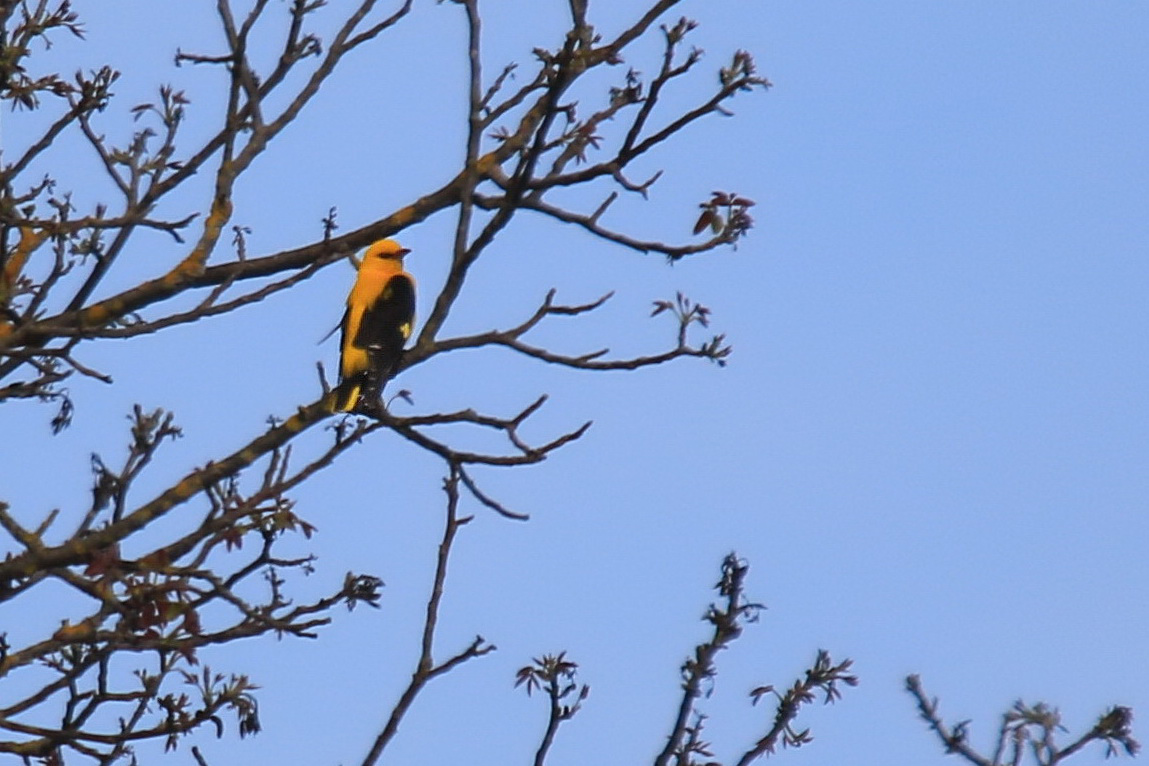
(155, 603)
(728, 618)
(590, 223)
(822, 676)
(686, 313)
(555, 675)
(408, 427)
(727, 622)
(1031, 729)
(426, 668)
(81, 551)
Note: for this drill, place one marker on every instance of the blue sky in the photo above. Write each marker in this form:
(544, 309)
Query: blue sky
(930, 443)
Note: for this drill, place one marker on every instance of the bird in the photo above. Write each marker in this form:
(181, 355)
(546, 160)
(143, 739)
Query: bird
(379, 319)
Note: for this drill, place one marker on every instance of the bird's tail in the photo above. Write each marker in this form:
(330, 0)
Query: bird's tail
(362, 389)
(347, 395)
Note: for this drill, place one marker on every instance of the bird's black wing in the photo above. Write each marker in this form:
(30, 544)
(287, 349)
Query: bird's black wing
(386, 325)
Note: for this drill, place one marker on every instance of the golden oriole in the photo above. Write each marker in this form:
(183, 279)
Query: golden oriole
(379, 318)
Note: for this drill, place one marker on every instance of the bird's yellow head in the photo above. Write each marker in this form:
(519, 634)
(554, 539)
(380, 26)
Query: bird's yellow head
(386, 248)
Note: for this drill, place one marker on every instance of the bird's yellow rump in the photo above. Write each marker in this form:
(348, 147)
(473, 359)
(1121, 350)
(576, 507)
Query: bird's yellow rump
(379, 319)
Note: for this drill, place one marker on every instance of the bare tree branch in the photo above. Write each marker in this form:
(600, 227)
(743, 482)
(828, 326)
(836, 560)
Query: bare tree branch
(1036, 726)
(426, 668)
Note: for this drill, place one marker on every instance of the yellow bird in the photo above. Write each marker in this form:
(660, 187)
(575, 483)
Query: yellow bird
(379, 319)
